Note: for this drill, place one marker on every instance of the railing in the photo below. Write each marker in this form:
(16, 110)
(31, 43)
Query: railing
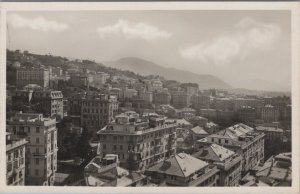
(16, 143)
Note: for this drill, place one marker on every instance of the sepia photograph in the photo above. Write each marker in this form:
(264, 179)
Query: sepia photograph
(149, 98)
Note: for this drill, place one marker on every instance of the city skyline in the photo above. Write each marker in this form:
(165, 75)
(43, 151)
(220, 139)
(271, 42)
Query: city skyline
(178, 40)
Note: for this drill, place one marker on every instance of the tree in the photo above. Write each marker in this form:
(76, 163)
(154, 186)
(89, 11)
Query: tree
(83, 147)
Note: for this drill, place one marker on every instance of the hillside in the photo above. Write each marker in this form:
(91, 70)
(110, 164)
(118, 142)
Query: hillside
(145, 68)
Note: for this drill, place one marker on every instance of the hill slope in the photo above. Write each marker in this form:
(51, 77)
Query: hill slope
(144, 67)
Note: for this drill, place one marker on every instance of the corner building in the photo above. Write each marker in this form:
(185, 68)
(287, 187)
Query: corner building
(41, 153)
(139, 142)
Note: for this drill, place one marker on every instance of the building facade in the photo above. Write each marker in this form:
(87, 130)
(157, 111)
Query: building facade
(96, 111)
(38, 76)
(49, 103)
(15, 160)
(139, 142)
(228, 162)
(241, 139)
(41, 153)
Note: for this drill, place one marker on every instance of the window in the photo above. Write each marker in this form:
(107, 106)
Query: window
(37, 161)
(104, 146)
(121, 147)
(226, 140)
(37, 140)
(219, 141)
(28, 129)
(36, 172)
(212, 139)
(37, 129)
(115, 147)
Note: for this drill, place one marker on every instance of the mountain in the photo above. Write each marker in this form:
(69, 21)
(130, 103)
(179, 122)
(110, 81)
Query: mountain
(145, 68)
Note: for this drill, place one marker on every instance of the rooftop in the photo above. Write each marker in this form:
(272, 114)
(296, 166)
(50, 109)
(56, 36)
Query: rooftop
(182, 165)
(214, 152)
(199, 130)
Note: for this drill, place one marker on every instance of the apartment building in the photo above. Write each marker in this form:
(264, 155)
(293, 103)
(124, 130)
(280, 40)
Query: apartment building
(228, 162)
(180, 99)
(163, 97)
(139, 142)
(40, 76)
(241, 139)
(183, 170)
(15, 160)
(96, 111)
(49, 103)
(41, 153)
(269, 114)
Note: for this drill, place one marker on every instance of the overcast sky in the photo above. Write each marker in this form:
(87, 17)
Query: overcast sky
(236, 46)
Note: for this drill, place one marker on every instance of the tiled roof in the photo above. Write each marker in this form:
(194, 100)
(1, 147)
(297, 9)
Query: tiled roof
(199, 130)
(181, 165)
(214, 152)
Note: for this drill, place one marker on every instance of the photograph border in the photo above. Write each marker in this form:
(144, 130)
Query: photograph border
(93, 6)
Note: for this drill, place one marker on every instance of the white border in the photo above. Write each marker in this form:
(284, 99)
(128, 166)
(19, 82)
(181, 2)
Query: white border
(59, 6)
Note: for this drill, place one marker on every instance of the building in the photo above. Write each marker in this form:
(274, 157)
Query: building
(258, 104)
(41, 153)
(57, 71)
(40, 76)
(139, 142)
(272, 133)
(185, 113)
(96, 111)
(163, 97)
(198, 133)
(80, 80)
(269, 114)
(180, 99)
(247, 114)
(183, 170)
(276, 171)
(228, 162)
(129, 93)
(106, 171)
(146, 96)
(201, 101)
(224, 104)
(49, 103)
(199, 121)
(99, 79)
(15, 160)
(155, 85)
(241, 139)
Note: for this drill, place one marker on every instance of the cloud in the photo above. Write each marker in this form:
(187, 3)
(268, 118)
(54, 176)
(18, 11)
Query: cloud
(247, 37)
(133, 30)
(39, 23)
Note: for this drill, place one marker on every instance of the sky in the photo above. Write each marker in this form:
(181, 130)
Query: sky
(238, 47)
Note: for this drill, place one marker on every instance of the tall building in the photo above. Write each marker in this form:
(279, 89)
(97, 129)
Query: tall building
(40, 76)
(241, 139)
(201, 101)
(180, 99)
(96, 111)
(139, 142)
(147, 96)
(269, 114)
(49, 103)
(41, 153)
(183, 170)
(228, 162)
(163, 97)
(247, 114)
(15, 160)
